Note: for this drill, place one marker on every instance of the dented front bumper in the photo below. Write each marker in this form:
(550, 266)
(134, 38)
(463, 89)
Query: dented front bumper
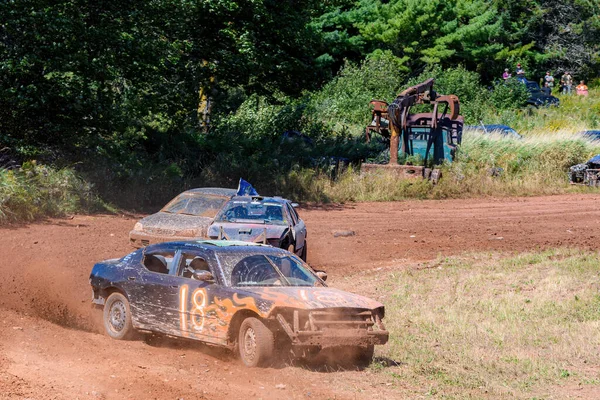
(330, 329)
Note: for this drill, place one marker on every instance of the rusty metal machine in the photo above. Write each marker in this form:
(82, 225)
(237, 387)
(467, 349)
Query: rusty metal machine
(438, 132)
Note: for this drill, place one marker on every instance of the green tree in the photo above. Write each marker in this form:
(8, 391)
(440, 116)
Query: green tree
(106, 75)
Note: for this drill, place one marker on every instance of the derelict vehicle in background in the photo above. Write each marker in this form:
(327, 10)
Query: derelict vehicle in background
(587, 173)
(433, 137)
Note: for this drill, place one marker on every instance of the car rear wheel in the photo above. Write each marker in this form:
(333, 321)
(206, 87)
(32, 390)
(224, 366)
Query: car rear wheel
(256, 343)
(117, 317)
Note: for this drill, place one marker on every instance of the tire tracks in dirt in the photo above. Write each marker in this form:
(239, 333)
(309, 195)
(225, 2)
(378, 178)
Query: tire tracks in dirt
(51, 345)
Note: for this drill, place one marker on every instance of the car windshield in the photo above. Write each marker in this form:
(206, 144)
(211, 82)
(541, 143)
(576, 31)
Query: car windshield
(259, 270)
(198, 204)
(255, 211)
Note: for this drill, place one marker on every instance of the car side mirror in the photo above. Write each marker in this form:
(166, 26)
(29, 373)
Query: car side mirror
(203, 276)
(322, 275)
(295, 205)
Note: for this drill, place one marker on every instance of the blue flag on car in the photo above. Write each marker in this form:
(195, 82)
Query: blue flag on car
(246, 189)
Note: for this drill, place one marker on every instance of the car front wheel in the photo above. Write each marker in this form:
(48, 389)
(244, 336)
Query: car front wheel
(304, 252)
(117, 317)
(256, 343)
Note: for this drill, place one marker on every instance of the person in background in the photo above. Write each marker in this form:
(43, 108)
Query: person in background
(546, 89)
(582, 89)
(567, 82)
(549, 79)
(506, 75)
(520, 72)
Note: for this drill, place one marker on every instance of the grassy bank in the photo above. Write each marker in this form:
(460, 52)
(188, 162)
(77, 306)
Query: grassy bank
(536, 165)
(485, 166)
(575, 113)
(36, 191)
(494, 326)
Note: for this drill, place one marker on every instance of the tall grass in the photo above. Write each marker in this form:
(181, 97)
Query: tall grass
(495, 326)
(575, 113)
(498, 166)
(36, 191)
(485, 166)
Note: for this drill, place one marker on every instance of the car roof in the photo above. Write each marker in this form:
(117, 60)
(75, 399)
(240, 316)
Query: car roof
(212, 190)
(488, 127)
(217, 246)
(279, 200)
(497, 126)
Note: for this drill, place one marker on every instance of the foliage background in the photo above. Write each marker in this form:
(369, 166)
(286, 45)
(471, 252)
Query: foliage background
(109, 91)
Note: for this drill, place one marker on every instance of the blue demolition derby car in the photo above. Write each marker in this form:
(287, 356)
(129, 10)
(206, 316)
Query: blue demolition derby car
(248, 296)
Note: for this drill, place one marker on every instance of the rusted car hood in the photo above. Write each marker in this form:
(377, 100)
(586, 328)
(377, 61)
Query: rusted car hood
(246, 232)
(169, 224)
(311, 298)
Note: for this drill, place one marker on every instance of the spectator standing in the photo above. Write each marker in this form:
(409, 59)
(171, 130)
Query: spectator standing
(582, 89)
(549, 79)
(567, 83)
(546, 89)
(506, 75)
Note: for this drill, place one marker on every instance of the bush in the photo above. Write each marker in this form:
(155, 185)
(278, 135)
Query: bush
(343, 103)
(509, 95)
(36, 191)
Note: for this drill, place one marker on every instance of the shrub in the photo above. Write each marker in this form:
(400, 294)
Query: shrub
(35, 191)
(343, 103)
(508, 95)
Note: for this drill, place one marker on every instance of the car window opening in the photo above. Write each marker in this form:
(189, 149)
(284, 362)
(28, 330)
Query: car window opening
(158, 262)
(191, 262)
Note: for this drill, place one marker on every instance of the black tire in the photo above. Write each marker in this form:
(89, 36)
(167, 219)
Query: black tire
(256, 343)
(117, 317)
(291, 248)
(304, 251)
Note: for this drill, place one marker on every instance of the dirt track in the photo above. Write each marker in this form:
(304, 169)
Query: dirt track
(51, 346)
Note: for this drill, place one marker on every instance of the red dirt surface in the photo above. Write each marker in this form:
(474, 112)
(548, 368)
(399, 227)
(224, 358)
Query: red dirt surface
(52, 345)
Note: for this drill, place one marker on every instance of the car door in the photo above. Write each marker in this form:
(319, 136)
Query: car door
(153, 292)
(298, 227)
(200, 314)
